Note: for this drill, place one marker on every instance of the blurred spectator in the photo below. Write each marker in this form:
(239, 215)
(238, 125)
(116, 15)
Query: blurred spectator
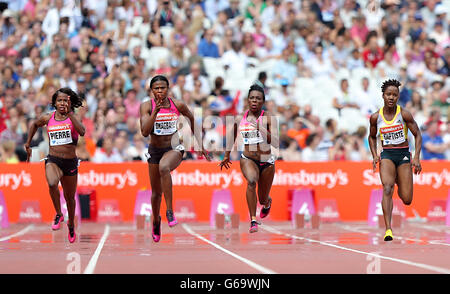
(195, 75)
(107, 153)
(235, 60)
(132, 104)
(311, 152)
(284, 72)
(164, 13)
(81, 150)
(207, 47)
(344, 98)
(372, 54)
(433, 145)
(233, 10)
(7, 152)
(300, 131)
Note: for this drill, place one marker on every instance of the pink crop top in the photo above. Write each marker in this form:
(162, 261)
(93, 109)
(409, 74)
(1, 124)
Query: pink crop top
(61, 132)
(249, 133)
(166, 122)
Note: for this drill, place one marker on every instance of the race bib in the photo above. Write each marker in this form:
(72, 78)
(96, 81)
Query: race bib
(165, 124)
(393, 134)
(59, 135)
(251, 137)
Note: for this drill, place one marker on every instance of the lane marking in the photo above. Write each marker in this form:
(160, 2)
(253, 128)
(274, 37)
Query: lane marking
(407, 262)
(250, 263)
(348, 228)
(439, 228)
(19, 233)
(92, 263)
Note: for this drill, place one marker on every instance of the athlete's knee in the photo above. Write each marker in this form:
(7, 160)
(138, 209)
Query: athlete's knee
(52, 185)
(156, 194)
(164, 169)
(407, 201)
(251, 183)
(388, 189)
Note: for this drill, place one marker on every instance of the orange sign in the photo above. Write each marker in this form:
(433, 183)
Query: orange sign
(349, 183)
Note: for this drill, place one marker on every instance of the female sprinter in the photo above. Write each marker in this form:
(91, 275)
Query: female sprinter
(159, 119)
(257, 162)
(61, 164)
(391, 123)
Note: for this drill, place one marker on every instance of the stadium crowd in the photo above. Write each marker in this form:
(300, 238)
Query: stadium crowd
(107, 50)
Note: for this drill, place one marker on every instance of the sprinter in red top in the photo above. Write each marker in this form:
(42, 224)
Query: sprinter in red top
(61, 164)
(159, 119)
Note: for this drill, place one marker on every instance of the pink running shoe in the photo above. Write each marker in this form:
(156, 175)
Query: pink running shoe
(265, 211)
(72, 236)
(253, 227)
(156, 231)
(57, 222)
(171, 218)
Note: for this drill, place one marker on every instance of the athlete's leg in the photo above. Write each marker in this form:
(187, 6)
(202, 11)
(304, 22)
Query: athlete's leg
(155, 182)
(405, 183)
(388, 175)
(251, 173)
(69, 185)
(170, 161)
(265, 184)
(53, 174)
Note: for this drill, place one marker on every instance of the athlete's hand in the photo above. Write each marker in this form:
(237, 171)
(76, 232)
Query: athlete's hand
(205, 153)
(225, 163)
(158, 105)
(416, 165)
(28, 150)
(376, 159)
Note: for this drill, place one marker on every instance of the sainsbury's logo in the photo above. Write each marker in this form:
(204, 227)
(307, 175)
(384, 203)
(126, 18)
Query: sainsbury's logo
(14, 181)
(118, 180)
(199, 178)
(305, 178)
(433, 179)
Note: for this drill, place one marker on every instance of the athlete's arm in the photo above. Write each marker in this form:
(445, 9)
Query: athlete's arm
(148, 119)
(78, 126)
(230, 140)
(39, 122)
(414, 128)
(373, 139)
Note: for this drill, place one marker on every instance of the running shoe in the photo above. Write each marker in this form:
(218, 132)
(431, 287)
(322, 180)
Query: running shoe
(156, 231)
(253, 226)
(57, 222)
(388, 236)
(171, 218)
(265, 211)
(72, 236)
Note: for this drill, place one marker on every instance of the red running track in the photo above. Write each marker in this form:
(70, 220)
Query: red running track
(196, 248)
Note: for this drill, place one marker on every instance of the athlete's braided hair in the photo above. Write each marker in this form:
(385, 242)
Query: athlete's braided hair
(75, 99)
(390, 82)
(256, 87)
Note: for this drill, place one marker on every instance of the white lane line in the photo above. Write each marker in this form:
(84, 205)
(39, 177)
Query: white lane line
(348, 228)
(20, 233)
(250, 263)
(407, 262)
(93, 262)
(440, 228)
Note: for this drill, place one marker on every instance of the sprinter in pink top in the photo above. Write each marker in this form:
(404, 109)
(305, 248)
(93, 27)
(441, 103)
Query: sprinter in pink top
(61, 164)
(258, 134)
(159, 119)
